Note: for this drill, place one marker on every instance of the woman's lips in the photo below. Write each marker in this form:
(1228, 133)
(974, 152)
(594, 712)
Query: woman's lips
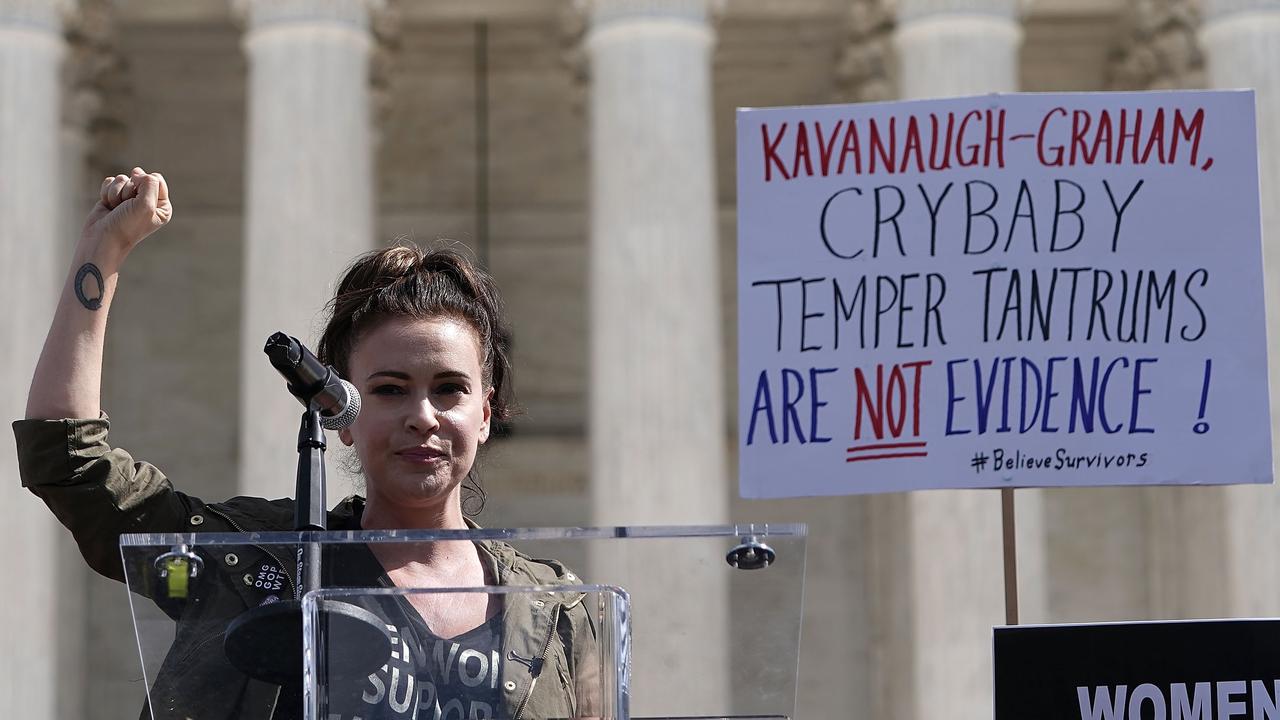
(421, 454)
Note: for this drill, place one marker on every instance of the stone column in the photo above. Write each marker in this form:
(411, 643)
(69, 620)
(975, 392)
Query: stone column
(32, 670)
(1241, 39)
(657, 411)
(657, 418)
(954, 574)
(957, 47)
(308, 202)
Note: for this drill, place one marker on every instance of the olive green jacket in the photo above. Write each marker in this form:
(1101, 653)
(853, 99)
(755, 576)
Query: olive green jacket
(99, 492)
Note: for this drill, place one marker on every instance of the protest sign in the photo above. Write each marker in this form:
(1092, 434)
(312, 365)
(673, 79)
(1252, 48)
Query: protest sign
(1000, 291)
(1192, 670)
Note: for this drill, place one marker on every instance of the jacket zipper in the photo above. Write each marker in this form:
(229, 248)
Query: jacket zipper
(284, 569)
(540, 662)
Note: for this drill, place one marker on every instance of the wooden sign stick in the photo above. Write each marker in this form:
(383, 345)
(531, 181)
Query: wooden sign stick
(1010, 557)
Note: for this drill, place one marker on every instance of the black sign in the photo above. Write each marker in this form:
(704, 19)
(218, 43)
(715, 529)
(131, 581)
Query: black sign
(1202, 670)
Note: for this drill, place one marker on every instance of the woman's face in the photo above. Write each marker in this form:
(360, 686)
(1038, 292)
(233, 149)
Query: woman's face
(424, 409)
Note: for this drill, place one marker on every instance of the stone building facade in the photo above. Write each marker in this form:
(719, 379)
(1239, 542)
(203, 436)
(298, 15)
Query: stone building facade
(295, 133)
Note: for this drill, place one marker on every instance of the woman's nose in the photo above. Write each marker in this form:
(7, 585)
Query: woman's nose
(423, 417)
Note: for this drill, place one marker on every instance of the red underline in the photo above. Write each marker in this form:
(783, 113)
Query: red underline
(885, 446)
(886, 455)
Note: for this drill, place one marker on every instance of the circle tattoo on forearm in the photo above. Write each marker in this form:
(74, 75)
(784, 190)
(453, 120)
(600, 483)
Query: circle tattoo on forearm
(87, 269)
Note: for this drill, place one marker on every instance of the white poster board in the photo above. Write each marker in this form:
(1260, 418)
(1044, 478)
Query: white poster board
(1006, 290)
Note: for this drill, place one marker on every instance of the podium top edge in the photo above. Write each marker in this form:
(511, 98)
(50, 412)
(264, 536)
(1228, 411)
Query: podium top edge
(760, 531)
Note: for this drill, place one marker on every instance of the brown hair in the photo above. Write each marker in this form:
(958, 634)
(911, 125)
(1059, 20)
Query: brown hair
(406, 281)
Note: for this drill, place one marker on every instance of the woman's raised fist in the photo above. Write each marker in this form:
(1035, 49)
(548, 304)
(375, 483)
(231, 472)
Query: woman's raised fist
(130, 208)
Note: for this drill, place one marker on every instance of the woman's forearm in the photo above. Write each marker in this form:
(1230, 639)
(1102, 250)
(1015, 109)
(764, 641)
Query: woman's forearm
(68, 377)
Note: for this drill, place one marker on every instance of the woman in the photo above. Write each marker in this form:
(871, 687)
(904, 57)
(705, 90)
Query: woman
(422, 338)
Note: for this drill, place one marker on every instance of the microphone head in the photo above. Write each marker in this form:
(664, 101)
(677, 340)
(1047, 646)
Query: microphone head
(351, 408)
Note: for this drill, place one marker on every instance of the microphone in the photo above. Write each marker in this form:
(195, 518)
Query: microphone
(310, 379)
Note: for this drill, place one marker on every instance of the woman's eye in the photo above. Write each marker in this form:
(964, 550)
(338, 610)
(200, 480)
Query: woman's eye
(451, 389)
(388, 390)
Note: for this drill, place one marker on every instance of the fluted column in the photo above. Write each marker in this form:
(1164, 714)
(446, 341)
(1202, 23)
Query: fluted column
(957, 47)
(1241, 39)
(657, 428)
(657, 420)
(308, 201)
(31, 192)
(948, 48)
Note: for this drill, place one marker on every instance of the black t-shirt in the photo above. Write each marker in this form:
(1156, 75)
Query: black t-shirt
(426, 677)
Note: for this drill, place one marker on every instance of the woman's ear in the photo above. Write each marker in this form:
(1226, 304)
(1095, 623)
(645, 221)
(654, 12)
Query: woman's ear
(488, 416)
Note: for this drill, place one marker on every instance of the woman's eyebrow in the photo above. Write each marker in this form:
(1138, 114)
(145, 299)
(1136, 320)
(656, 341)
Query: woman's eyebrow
(389, 373)
(398, 375)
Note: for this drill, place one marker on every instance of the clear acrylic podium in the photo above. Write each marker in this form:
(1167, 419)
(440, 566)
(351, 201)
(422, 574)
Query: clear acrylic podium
(639, 622)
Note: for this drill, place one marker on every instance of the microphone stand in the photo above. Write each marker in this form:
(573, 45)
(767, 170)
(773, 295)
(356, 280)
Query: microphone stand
(310, 510)
(266, 642)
